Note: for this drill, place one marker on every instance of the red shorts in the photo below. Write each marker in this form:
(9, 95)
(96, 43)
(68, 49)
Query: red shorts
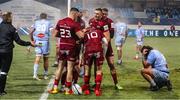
(94, 56)
(67, 53)
(109, 52)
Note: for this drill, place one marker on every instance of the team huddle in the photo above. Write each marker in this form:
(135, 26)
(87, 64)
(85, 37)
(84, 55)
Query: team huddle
(79, 47)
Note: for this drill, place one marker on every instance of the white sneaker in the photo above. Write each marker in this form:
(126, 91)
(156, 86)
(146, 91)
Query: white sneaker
(46, 77)
(36, 78)
(119, 62)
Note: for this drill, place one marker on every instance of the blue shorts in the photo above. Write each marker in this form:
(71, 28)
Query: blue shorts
(119, 41)
(42, 49)
(160, 77)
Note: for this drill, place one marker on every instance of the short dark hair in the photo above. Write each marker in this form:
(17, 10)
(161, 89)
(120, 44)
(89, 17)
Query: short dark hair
(43, 16)
(98, 9)
(105, 9)
(74, 9)
(140, 22)
(146, 47)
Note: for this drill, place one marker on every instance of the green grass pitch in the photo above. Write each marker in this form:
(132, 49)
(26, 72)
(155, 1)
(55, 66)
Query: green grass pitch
(20, 84)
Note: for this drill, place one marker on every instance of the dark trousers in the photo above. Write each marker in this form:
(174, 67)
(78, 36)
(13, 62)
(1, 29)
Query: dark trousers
(5, 63)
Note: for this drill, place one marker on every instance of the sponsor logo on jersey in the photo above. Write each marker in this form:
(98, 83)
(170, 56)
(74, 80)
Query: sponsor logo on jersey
(40, 35)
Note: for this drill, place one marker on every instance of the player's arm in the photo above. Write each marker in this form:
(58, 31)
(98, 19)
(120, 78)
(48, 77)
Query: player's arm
(111, 33)
(106, 32)
(55, 33)
(107, 35)
(112, 30)
(126, 34)
(146, 64)
(32, 30)
(31, 34)
(78, 31)
(105, 42)
(80, 34)
(18, 40)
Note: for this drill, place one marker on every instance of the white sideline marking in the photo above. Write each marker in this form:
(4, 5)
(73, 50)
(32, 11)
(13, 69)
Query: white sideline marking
(45, 95)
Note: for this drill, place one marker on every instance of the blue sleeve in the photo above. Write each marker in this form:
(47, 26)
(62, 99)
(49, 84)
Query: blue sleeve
(151, 58)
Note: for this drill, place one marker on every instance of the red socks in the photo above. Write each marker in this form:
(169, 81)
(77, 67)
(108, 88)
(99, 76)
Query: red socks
(56, 82)
(68, 84)
(98, 81)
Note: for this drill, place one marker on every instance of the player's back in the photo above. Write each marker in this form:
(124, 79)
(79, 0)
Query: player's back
(93, 40)
(67, 28)
(139, 32)
(157, 59)
(42, 29)
(120, 29)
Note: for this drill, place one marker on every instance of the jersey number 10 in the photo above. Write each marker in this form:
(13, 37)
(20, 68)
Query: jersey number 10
(92, 35)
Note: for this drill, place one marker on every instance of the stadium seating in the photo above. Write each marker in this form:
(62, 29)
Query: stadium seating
(165, 12)
(148, 21)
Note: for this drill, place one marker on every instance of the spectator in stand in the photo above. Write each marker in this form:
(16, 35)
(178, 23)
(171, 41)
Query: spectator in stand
(172, 28)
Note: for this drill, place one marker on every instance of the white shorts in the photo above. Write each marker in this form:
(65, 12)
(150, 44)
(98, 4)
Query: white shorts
(42, 49)
(139, 42)
(119, 41)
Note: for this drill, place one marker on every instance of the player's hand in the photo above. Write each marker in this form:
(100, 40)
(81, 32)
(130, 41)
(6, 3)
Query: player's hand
(28, 49)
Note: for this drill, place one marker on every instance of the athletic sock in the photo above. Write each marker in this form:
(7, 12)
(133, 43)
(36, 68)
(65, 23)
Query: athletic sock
(119, 61)
(86, 83)
(55, 62)
(86, 79)
(56, 82)
(98, 81)
(36, 66)
(137, 54)
(68, 84)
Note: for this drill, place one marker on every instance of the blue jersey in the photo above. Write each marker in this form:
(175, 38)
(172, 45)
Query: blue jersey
(120, 29)
(42, 30)
(157, 60)
(139, 34)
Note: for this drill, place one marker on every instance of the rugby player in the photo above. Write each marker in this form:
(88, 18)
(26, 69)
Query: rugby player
(40, 34)
(139, 39)
(94, 54)
(69, 31)
(155, 69)
(110, 54)
(120, 36)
